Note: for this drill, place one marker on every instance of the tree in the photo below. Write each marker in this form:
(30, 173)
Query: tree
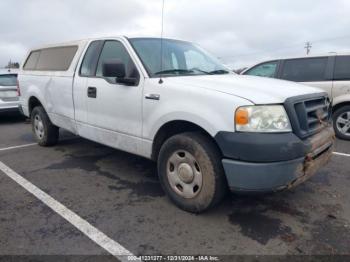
(12, 64)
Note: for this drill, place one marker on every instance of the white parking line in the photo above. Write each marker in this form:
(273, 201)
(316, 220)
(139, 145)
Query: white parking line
(85, 227)
(15, 147)
(33, 144)
(341, 154)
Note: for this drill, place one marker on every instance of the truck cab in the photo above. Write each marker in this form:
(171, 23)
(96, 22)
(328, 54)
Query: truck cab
(170, 101)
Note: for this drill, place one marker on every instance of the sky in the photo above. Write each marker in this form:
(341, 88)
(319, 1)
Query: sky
(238, 32)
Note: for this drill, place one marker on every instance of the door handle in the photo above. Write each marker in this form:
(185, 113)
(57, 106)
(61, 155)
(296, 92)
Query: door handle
(152, 96)
(92, 92)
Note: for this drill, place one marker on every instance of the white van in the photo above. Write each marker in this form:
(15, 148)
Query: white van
(208, 129)
(329, 72)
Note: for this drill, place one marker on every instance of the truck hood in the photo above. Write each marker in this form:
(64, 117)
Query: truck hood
(258, 90)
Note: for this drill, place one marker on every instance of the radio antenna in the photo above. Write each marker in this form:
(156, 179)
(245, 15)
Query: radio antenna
(161, 43)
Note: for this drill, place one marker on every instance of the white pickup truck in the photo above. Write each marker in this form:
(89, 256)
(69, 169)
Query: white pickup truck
(208, 129)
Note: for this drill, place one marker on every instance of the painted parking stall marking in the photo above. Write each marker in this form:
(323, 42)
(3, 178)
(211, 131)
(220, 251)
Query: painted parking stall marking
(82, 225)
(341, 154)
(16, 147)
(31, 144)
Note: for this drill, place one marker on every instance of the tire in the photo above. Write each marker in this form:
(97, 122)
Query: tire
(341, 122)
(44, 131)
(182, 160)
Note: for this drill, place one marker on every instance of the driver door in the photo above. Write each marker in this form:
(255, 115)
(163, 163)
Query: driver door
(114, 111)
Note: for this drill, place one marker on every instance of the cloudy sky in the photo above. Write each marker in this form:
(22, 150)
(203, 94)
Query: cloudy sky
(239, 32)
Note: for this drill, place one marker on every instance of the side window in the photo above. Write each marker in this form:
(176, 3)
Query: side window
(56, 59)
(116, 50)
(305, 70)
(88, 66)
(266, 70)
(342, 68)
(32, 61)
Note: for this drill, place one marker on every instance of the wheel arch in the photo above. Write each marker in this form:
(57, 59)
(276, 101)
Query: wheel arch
(340, 105)
(33, 102)
(175, 127)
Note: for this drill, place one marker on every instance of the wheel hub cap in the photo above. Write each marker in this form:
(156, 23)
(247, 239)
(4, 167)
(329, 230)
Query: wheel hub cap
(39, 127)
(186, 173)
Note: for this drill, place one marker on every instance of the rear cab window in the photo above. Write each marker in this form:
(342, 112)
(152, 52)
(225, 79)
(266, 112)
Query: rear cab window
(305, 69)
(267, 69)
(51, 59)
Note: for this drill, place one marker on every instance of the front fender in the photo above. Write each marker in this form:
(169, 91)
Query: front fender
(211, 110)
(182, 116)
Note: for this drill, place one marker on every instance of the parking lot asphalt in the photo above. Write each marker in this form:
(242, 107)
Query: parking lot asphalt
(119, 194)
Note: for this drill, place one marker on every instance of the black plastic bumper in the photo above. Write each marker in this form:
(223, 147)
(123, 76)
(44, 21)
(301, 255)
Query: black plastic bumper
(271, 162)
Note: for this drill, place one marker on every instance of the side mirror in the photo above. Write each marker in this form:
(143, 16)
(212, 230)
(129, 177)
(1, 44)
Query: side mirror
(116, 68)
(113, 68)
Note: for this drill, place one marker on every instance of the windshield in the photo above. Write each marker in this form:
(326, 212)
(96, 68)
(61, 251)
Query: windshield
(8, 80)
(179, 58)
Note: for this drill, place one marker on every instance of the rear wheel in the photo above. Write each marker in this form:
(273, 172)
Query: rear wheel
(191, 172)
(341, 122)
(45, 132)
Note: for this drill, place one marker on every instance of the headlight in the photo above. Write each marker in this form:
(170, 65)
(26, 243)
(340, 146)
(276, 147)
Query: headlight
(264, 119)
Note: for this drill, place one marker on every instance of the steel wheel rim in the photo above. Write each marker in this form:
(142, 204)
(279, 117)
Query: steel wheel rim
(184, 174)
(39, 127)
(343, 123)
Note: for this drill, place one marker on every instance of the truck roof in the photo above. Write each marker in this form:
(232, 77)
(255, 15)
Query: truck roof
(70, 43)
(84, 41)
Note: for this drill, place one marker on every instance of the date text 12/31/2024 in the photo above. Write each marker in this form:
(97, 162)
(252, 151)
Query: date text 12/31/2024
(173, 258)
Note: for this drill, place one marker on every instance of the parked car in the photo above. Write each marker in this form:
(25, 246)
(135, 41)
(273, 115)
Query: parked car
(329, 72)
(9, 100)
(207, 128)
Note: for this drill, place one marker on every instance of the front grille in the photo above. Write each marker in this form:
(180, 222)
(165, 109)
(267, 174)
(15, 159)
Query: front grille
(308, 114)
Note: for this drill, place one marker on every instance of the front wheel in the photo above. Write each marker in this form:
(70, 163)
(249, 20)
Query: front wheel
(191, 172)
(45, 132)
(341, 122)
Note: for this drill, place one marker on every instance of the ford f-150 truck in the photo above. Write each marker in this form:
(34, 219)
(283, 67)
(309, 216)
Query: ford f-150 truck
(170, 101)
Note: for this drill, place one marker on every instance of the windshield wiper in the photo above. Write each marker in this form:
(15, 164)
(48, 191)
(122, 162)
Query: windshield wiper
(199, 70)
(190, 71)
(171, 71)
(219, 72)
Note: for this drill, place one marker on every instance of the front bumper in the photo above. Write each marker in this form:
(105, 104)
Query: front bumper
(269, 168)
